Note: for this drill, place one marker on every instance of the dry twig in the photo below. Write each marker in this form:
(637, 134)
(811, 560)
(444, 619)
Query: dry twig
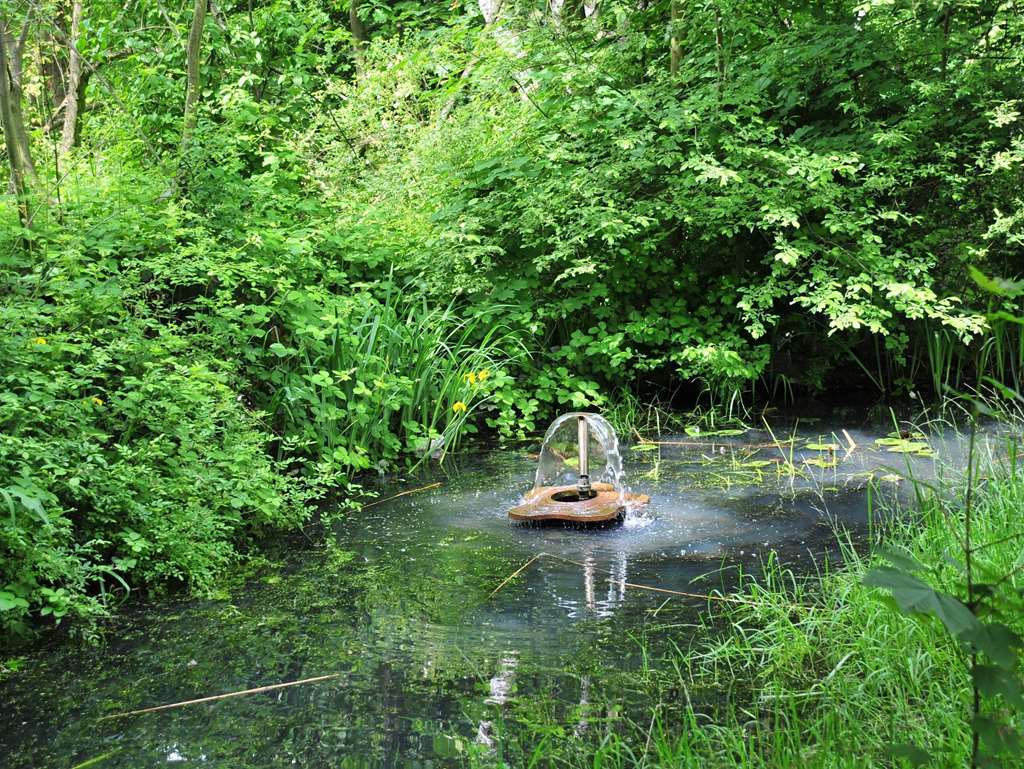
(401, 494)
(216, 697)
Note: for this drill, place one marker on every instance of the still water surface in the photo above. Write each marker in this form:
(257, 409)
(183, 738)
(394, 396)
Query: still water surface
(427, 661)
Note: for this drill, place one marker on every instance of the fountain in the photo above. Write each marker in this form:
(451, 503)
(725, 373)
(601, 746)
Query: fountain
(579, 475)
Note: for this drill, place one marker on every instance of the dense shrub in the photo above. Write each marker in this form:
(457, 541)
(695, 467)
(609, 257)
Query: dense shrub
(810, 208)
(126, 456)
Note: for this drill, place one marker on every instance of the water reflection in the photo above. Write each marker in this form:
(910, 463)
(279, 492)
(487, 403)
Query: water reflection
(599, 590)
(500, 687)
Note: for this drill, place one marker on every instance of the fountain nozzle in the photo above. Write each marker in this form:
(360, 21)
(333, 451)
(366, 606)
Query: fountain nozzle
(583, 437)
(583, 487)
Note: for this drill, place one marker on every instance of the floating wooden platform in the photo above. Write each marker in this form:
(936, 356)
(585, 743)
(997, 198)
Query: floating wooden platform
(561, 503)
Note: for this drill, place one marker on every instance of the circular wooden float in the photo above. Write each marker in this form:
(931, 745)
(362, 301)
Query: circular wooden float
(562, 503)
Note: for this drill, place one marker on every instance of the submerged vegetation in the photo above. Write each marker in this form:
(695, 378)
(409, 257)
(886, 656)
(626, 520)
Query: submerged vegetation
(255, 254)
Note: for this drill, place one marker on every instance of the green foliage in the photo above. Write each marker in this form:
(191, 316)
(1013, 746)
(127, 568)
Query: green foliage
(125, 456)
(683, 226)
(303, 292)
(362, 382)
(970, 591)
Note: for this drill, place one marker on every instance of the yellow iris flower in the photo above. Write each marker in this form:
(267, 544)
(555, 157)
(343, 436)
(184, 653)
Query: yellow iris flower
(459, 407)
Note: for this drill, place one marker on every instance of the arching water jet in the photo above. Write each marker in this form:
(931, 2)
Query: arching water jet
(579, 475)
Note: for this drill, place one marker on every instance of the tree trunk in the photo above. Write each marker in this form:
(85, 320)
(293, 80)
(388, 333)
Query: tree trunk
(83, 83)
(19, 155)
(490, 9)
(571, 10)
(19, 174)
(675, 48)
(356, 26)
(15, 56)
(195, 39)
(69, 135)
(947, 17)
(719, 50)
(358, 31)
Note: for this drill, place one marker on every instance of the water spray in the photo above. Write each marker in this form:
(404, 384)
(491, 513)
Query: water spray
(564, 490)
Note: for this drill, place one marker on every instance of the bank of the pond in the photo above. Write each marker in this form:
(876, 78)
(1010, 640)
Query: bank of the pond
(816, 673)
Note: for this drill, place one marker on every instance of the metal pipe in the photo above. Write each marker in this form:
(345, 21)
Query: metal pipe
(583, 437)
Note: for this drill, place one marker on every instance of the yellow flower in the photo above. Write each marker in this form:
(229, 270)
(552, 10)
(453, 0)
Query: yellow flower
(459, 406)
(482, 376)
(38, 340)
(97, 401)
(471, 378)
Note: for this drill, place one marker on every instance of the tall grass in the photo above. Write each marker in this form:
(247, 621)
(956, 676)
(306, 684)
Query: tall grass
(999, 355)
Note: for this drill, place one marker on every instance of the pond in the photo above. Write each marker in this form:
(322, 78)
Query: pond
(428, 665)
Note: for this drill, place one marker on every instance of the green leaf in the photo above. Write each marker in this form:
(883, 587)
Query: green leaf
(996, 735)
(997, 641)
(901, 559)
(281, 351)
(822, 462)
(913, 596)
(993, 681)
(999, 286)
(9, 601)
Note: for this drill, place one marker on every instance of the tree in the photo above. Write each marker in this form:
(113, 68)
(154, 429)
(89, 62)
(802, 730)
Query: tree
(69, 135)
(490, 10)
(195, 39)
(19, 154)
(357, 28)
(675, 48)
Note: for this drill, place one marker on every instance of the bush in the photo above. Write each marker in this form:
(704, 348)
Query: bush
(125, 458)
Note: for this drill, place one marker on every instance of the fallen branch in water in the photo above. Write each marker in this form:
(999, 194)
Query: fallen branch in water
(710, 443)
(401, 494)
(633, 585)
(216, 697)
(852, 446)
(515, 574)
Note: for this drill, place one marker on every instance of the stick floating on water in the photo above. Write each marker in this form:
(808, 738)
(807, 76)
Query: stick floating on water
(216, 697)
(401, 494)
(633, 585)
(709, 443)
(703, 596)
(515, 574)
